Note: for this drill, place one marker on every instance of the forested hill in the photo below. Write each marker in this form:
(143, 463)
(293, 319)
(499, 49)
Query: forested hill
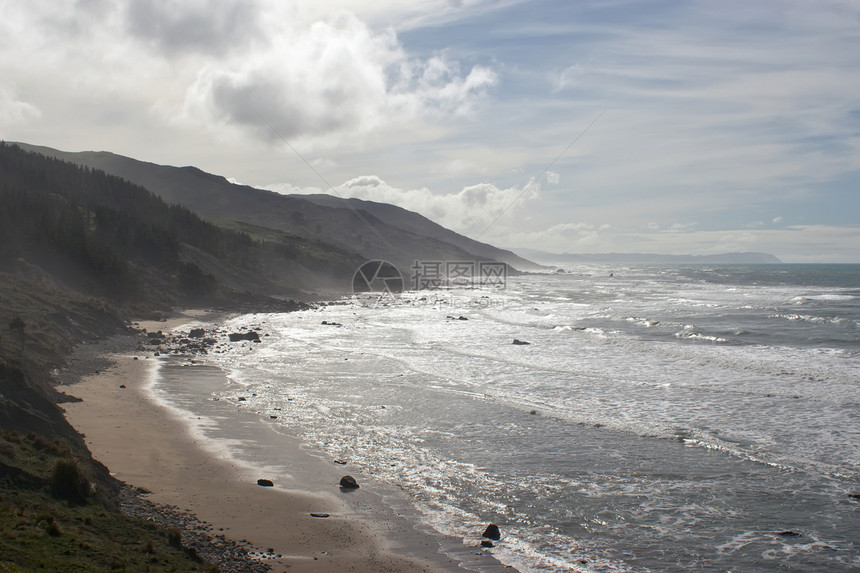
(374, 230)
(103, 236)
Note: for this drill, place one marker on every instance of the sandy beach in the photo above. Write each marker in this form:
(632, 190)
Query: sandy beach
(146, 445)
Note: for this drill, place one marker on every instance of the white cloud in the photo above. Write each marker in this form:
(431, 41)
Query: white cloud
(473, 210)
(776, 220)
(334, 78)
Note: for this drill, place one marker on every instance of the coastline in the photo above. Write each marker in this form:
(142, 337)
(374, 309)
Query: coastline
(147, 445)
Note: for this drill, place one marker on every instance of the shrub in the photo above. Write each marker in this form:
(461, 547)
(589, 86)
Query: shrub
(67, 482)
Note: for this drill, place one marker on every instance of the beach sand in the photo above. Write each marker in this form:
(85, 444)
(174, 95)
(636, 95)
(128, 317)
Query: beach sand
(146, 445)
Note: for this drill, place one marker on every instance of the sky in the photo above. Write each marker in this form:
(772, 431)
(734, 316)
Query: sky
(665, 126)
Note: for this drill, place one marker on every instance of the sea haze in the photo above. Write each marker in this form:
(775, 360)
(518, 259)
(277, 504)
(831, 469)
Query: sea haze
(661, 418)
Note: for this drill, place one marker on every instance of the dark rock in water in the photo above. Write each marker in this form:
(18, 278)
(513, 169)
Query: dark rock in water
(533, 412)
(238, 336)
(320, 515)
(241, 398)
(487, 543)
(327, 323)
(340, 462)
(348, 482)
(492, 532)
(521, 342)
(272, 417)
(197, 333)
(265, 482)
(854, 495)
(462, 318)
(789, 533)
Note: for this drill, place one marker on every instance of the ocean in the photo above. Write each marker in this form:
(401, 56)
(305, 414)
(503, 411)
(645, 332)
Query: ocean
(660, 418)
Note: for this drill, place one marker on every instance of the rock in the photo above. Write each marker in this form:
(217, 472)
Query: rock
(340, 462)
(265, 482)
(272, 417)
(197, 333)
(238, 336)
(122, 385)
(487, 543)
(320, 515)
(327, 323)
(854, 495)
(462, 318)
(788, 533)
(348, 482)
(521, 342)
(492, 532)
(242, 398)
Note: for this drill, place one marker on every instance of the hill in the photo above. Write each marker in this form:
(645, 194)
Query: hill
(373, 230)
(417, 223)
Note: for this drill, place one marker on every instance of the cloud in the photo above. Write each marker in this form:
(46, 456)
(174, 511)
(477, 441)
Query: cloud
(473, 210)
(193, 25)
(776, 220)
(14, 111)
(333, 77)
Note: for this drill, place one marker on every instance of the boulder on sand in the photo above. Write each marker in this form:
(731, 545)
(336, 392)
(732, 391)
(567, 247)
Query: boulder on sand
(265, 482)
(348, 482)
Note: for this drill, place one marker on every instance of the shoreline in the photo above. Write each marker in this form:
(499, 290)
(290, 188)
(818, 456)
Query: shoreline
(148, 445)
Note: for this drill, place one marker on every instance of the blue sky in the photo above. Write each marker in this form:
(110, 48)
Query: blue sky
(693, 127)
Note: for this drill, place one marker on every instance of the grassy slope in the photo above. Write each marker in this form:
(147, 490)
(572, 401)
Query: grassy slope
(43, 532)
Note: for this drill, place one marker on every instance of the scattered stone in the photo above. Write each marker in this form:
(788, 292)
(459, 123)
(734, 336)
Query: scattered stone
(327, 323)
(487, 543)
(122, 385)
(340, 462)
(348, 482)
(265, 482)
(492, 532)
(533, 412)
(461, 317)
(242, 398)
(239, 336)
(320, 515)
(271, 417)
(788, 533)
(520, 342)
(854, 495)
(197, 333)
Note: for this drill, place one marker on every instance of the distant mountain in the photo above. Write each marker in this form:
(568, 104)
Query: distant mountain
(745, 258)
(373, 230)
